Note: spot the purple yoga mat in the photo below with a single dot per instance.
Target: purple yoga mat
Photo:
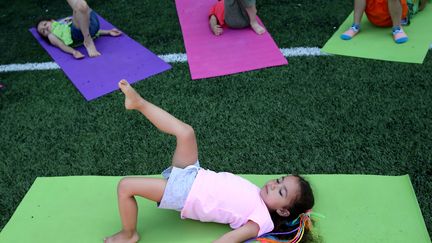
(236, 50)
(122, 57)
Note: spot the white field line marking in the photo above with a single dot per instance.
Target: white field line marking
(170, 58)
(28, 66)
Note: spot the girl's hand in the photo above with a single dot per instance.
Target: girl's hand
(77, 55)
(115, 32)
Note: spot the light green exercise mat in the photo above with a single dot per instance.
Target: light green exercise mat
(377, 43)
(357, 208)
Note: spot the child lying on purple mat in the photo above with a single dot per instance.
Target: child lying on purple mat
(206, 195)
(234, 14)
(82, 27)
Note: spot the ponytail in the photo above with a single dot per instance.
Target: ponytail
(303, 223)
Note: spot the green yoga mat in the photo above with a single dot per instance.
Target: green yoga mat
(377, 43)
(357, 208)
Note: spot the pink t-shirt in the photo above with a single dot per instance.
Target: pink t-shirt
(228, 199)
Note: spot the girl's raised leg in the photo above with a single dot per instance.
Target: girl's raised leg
(128, 188)
(81, 19)
(186, 152)
(252, 13)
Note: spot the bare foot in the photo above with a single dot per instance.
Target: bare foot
(122, 237)
(216, 29)
(257, 28)
(77, 55)
(91, 48)
(133, 99)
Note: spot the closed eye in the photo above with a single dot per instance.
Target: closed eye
(280, 193)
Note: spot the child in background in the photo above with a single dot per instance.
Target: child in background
(414, 6)
(384, 13)
(203, 194)
(82, 27)
(234, 14)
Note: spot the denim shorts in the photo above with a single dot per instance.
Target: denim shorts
(179, 184)
(76, 33)
(236, 15)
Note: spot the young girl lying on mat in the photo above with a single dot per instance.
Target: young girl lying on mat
(205, 195)
(385, 13)
(234, 14)
(82, 27)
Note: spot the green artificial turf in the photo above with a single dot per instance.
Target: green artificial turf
(317, 115)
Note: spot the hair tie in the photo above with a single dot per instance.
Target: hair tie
(303, 221)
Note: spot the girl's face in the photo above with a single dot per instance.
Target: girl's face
(44, 28)
(280, 193)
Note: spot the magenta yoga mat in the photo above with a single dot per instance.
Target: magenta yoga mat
(236, 50)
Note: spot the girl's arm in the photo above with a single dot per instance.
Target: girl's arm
(111, 32)
(56, 42)
(247, 231)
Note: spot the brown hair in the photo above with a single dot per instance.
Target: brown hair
(37, 30)
(305, 201)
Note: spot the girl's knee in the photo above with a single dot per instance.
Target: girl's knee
(187, 132)
(82, 6)
(123, 187)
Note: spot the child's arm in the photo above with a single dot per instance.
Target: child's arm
(56, 42)
(247, 231)
(111, 32)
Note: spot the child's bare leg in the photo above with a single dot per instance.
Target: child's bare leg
(186, 152)
(395, 9)
(359, 8)
(252, 11)
(128, 188)
(81, 19)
